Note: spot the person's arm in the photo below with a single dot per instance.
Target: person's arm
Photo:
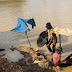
(63, 62)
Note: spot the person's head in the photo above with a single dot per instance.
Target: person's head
(48, 25)
(58, 50)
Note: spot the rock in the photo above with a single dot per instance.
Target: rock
(2, 55)
(2, 49)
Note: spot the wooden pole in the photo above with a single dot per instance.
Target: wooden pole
(60, 44)
(59, 40)
(28, 41)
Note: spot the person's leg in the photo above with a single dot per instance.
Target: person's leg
(68, 57)
(67, 61)
(50, 49)
(53, 47)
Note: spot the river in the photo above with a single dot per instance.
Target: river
(58, 12)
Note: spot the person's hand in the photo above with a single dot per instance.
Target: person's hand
(51, 53)
(47, 45)
(46, 30)
(64, 62)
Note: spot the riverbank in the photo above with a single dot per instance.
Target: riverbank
(26, 64)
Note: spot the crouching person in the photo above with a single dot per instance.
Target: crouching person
(56, 59)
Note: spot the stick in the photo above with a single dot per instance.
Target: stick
(28, 41)
(59, 40)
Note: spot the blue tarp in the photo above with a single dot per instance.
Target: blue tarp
(22, 25)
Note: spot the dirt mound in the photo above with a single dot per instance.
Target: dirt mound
(20, 66)
(5, 66)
